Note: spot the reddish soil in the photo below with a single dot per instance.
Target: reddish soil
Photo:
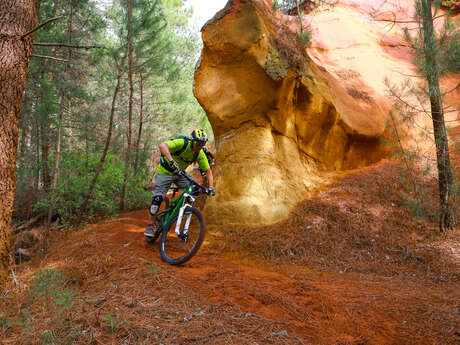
(252, 292)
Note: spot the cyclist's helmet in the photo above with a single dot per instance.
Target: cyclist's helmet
(200, 135)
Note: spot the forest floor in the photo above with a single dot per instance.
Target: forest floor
(350, 266)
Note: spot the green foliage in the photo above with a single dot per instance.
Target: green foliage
(24, 321)
(446, 43)
(111, 322)
(275, 66)
(451, 5)
(415, 200)
(25, 318)
(4, 323)
(305, 38)
(152, 269)
(165, 54)
(417, 175)
(287, 6)
(49, 287)
(46, 283)
(436, 53)
(50, 284)
(49, 337)
(449, 46)
(78, 171)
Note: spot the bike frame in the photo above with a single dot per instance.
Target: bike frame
(176, 204)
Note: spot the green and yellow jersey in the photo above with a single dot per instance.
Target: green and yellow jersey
(185, 158)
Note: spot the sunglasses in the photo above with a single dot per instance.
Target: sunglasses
(200, 143)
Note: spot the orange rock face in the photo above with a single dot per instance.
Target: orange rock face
(284, 115)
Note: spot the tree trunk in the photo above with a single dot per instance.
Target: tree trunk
(299, 18)
(58, 144)
(130, 104)
(141, 119)
(69, 57)
(84, 206)
(86, 145)
(37, 154)
(24, 134)
(17, 17)
(45, 146)
(55, 177)
(447, 215)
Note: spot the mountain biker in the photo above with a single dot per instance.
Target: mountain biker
(176, 156)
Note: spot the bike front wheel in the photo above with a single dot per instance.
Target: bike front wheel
(176, 249)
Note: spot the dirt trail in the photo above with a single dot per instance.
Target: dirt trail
(231, 298)
(125, 294)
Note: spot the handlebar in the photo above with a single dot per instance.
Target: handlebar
(188, 177)
(197, 168)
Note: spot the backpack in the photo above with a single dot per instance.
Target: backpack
(165, 164)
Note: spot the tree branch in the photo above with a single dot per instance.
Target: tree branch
(455, 88)
(43, 44)
(410, 75)
(397, 21)
(403, 155)
(40, 25)
(395, 95)
(405, 21)
(50, 57)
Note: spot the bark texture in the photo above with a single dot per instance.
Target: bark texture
(17, 17)
(445, 180)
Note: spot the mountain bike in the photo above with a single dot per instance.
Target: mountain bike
(181, 226)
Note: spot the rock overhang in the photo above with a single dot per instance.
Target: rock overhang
(284, 115)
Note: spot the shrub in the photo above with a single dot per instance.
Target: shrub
(76, 173)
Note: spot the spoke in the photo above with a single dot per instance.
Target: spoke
(180, 246)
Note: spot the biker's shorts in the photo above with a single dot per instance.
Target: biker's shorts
(163, 182)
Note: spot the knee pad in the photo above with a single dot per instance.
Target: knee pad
(155, 205)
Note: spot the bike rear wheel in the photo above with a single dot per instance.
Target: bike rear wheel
(177, 249)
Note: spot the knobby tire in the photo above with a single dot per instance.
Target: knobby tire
(165, 240)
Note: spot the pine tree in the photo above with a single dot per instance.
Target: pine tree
(432, 72)
(17, 20)
(436, 53)
(141, 30)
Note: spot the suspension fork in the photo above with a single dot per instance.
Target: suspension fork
(181, 215)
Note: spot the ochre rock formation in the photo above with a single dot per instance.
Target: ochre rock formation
(283, 115)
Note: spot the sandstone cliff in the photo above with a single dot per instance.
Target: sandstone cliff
(285, 116)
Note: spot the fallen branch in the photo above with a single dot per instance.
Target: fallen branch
(28, 224)
(24, 252)
(300, 341)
